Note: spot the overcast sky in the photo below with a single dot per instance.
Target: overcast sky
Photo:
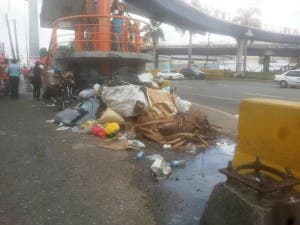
(276, 13)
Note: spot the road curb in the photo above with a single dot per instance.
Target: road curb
(241, 79)
(228, 123)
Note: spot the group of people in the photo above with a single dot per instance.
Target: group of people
(33, 76)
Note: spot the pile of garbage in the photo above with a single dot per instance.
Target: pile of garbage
(121, 111)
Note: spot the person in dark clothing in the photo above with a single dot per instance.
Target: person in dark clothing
(14, 72)
(37, 81)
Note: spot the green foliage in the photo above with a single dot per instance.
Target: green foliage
(245, 15)
(43, 52)
(65, 50)
(154, 32)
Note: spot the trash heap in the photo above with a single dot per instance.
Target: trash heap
(121, 111)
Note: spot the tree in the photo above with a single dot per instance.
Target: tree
(190, 50)
(245, 17)
(154, 33)
(43, 52)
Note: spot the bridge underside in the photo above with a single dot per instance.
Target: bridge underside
(231, 51)
(180, 14)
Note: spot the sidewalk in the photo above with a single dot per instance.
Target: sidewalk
(61, 178)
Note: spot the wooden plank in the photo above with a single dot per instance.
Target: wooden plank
(204, 142)
(155, 122)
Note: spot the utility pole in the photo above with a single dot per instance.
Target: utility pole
(26, 37)
(10, 38)
(16, 39)
(34, 48)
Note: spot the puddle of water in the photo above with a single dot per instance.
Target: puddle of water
(192, 186)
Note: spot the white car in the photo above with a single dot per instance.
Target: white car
(170, 75)
(289, 78)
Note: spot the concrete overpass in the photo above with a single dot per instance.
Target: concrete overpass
(179, 14)
(220, 50)
(174, 12)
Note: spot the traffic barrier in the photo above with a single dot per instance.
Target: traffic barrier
(214, 74)
(269, 129)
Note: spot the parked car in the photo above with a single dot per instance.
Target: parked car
(170, 75)
(193, 73)
(289, 78)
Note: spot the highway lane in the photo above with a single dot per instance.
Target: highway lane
(226, 95)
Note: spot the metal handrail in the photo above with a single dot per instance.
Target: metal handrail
(99, 35)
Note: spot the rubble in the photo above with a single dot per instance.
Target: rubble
(119, 112)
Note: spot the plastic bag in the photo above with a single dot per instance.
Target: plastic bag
(110, 116)
(160, 168)
(111, 129)
(146, 77)
(98, 131)
(183, 105)
(123, 99)
(88, 93)
(136, 144)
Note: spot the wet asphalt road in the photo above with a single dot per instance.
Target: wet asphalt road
(226, 95)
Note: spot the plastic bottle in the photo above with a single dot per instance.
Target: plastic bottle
(139, 155)
(136, 144)
(178, 164)
(167, 146)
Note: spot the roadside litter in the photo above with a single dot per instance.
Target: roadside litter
(160, 168)
(139, 155)
(178, 164)
(138, 106)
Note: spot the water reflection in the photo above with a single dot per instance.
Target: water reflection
(193, 185)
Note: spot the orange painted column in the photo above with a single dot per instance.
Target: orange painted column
(54, 40)
(104, 32)
(138, 37)
(79, 38)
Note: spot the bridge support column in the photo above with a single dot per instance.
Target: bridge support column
(103, 41)
(239, 56)
(156, 60)
(266, 66)
(245, 53)
(190, 53)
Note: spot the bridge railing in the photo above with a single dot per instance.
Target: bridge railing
(229, 17)
(98, 33)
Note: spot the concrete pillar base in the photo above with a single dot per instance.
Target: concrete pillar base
(267, 60)
(239, 57)
(232, 204)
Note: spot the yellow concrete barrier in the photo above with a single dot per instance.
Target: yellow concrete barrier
(269, 129)
(214, 74)
(154, 72)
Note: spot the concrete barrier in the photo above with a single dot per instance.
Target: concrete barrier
(269, 129)
(214, 74)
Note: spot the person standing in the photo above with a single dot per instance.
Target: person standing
(14, 72)
(117, 28)
(25, 72)
(37, 81)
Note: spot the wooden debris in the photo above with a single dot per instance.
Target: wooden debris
(161, 122)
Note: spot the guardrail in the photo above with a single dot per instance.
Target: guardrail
(99, 33)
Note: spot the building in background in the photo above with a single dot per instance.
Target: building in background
(34, 46)
(2, 52)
